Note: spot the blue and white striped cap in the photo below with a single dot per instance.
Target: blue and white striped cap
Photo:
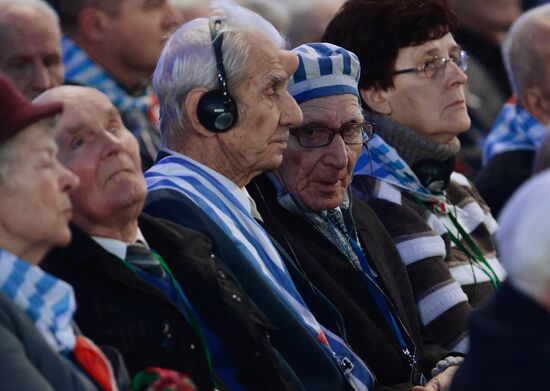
(324, 69)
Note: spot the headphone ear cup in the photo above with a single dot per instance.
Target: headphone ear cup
(216, 112)
(433, 174)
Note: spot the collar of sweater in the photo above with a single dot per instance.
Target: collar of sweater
(410, 145)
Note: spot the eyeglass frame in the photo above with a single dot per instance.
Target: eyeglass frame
(365, 135)
(461, 63)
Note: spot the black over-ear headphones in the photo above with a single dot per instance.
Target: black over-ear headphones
(434, 174)
(217, 110)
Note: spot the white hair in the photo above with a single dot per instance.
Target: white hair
(524, 62)
(523, 238)
(187, 61)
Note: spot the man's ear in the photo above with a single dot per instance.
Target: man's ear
(191, 103)
(536, 103)
(376, 99)
(92, 23)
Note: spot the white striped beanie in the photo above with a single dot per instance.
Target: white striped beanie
(324, 69)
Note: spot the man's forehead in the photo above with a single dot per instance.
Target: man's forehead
(330, 109)
(85, 110)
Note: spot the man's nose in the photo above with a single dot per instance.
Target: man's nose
(336, 152)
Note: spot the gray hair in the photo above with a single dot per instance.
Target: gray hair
(522, 58)
(9, 149)
(187, 61)
(523, 238)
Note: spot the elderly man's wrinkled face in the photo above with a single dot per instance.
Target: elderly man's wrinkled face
(31, 51)
(95, 145)
(266, 111)
(432, 107)
(137, 32)
(319, 177)
(35, 208)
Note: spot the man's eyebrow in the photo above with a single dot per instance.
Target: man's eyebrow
(276, 80)
(113, 112)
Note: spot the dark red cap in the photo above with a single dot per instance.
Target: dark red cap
(17, 112)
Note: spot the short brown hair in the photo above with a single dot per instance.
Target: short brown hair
(375, 30)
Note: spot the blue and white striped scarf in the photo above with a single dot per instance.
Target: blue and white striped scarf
(382, 161)
(81, 69)
(194, 181)
(514, 129)
(48, 301)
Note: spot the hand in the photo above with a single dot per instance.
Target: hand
(441, 382)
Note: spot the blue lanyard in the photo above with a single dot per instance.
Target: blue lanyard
(382, 302)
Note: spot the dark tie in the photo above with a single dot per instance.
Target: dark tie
(140, 256)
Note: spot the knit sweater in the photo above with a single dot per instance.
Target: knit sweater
(445, 282)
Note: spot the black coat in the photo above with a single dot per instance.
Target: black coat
(117, 307)
(509, 346)
(328, 269)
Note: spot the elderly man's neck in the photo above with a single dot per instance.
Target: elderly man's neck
(217, 161)
(117, 226)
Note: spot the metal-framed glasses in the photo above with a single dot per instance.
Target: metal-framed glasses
(317, 137)
(434, 65)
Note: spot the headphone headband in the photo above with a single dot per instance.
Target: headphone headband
(217, 41)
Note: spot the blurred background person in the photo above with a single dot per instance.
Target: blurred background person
(30, 45)
(510, 336)
(482, 27)
(114, 47)
(309, 19)
(524, 121)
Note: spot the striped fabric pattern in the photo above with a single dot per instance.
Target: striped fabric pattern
(514, 129)
(446, 285)
(192, 180)
(48, 301)
(338, 67)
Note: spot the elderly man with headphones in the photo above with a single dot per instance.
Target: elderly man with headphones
(215, 143)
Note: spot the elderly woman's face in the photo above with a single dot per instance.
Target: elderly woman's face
(434, 107)
(35, 208)
(319, 177)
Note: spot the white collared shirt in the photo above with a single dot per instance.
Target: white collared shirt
(118, 247)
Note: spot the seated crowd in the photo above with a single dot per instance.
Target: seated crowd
(196, 206)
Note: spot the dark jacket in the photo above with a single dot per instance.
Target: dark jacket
(504, 173)
(27, 362)
(315, 368)
(509, 346)
(334, 275)
(117, 307)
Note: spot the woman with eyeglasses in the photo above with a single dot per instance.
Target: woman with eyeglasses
(412, 86)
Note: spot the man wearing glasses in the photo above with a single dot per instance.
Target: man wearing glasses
(338, 242)
(412, 85)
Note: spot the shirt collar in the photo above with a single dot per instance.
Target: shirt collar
(118, 247)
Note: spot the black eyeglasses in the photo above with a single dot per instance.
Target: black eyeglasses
(317, 137)
(431, 68)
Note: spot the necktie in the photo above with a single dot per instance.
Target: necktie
(140, 256)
